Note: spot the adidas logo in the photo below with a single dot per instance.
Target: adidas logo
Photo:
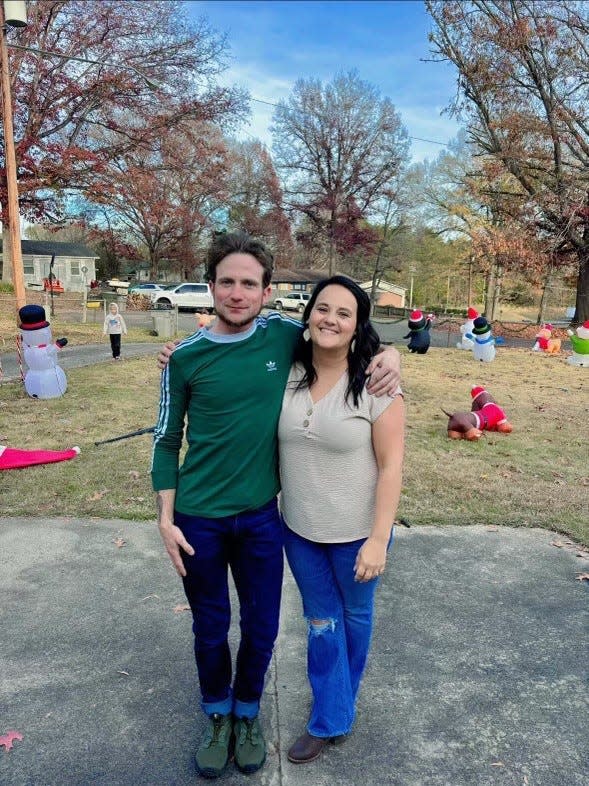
(271, 365)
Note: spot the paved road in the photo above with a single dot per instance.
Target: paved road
(71, 356)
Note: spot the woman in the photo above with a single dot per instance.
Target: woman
(341, 452)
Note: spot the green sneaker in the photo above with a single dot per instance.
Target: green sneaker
(214, 753)
(250, 747)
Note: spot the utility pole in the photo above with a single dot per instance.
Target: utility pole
(16, 19)
(413, 271)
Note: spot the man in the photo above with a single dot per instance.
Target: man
(219, 509)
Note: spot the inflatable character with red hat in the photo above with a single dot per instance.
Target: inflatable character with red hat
(580, 342)
(466, 330)
(545, 342)
(419, 338)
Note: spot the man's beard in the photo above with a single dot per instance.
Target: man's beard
(237, 323)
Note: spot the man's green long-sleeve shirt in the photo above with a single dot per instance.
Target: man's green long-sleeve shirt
(228, 388)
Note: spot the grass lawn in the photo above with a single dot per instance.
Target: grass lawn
(538, 476)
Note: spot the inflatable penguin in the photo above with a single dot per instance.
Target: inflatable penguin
(418, 335)
(44, 378)
(580, 342)
(484, 344)
(466, 330)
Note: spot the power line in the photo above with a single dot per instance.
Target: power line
(415, 138)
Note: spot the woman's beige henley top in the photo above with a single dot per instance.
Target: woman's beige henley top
(328, 469)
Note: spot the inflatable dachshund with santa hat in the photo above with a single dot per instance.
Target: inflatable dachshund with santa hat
(485, 415)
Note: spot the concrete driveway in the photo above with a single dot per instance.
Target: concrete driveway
(477, 675)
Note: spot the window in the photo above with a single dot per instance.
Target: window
(28, 267)
(75, 267)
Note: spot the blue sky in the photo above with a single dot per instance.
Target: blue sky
(272, 44)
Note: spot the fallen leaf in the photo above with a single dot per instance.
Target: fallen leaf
(583, 576)
(558, 543)
(583, 554)
(492, 528)
(119, 542)
(147, 597)
(497, 764)
(8, 738)
(181, 607)
(126, 673)
(134, 474)
(96, 496)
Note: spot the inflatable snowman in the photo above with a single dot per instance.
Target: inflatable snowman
(44, 378)
(466, 329)
(483, 347)
(580, 342)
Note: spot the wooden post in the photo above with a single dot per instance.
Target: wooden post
(18, 279)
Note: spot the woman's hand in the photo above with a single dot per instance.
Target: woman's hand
(165, 354)
(384, 371)
(371, 560)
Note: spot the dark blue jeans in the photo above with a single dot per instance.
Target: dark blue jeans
(250, 544)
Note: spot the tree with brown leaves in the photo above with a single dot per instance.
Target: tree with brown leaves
(523, 70)
(152, 71)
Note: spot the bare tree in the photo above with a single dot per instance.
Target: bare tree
(338, 146)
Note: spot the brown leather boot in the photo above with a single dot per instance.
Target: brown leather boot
(306, 748)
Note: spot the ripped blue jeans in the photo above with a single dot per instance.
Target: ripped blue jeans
(339, 612)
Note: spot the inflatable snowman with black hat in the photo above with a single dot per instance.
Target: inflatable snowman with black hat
(44, 378)
(484, 344)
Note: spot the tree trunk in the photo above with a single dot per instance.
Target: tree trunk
(544, 299)
(582, 302)
(489, 293)
(332, 245)
(376, 276)
(497, 293)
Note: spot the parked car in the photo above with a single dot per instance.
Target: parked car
(294, 301)
(146, 288)
(187, 295)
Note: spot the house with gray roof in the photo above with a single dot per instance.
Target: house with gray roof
(74, 264)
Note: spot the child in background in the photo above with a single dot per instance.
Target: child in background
(114, 327)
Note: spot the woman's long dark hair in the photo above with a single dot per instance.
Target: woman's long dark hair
(366, 338)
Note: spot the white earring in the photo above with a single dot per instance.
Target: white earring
(306, 334)
(353, 344)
